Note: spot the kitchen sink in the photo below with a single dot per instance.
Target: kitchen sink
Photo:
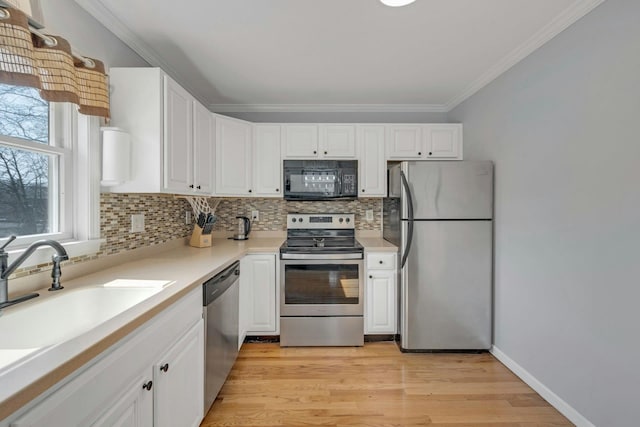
(55, 319)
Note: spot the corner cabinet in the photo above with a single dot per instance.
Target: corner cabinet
(233, 157)
(130, 386)
(171, 138)
(267, 161)
(380, 313)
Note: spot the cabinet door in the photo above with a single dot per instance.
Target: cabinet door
(372, 167)
(267, 160)
(258, 277)
(404, 142)
(178, 138)
(203, 145)
(179, 382)
(133, 409)
(443, 141)
(380, 305)
(300, 142)
(233, 157)
(338, 141)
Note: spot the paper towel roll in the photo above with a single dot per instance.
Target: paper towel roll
(116, 156)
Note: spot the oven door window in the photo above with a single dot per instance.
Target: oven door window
(310, 284)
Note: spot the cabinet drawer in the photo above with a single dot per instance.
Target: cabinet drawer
(381, 261)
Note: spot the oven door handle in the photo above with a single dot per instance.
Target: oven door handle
(321, 256)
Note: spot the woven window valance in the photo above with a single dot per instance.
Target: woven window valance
(47, 63)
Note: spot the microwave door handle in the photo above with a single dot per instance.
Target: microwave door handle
(339, 191)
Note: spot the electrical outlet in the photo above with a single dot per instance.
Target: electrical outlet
(137, 223)
(369, 215)
(255, 215)
(187, 217)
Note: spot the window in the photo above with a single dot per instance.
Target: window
(34, 162)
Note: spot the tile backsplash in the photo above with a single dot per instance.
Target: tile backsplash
(164, 219)
(273, 212)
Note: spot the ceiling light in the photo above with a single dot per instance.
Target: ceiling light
(397, 3)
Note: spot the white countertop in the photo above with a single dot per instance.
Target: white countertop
(184, 267)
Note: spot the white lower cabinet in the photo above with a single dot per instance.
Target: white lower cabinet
(178, 375)
(128, 387)
(380, 294)
(258, 295)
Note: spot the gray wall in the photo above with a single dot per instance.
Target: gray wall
(67, 19)
(562, 128)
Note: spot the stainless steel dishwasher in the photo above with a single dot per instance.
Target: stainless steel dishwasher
(221, 303)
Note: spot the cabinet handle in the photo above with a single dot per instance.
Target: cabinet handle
(164, 367)
(419, 153)
(147, 386)
(315, 152)
(363, 190)
(198, 187)
(325, 152)
(370, 277)
(191, 186)
(249, 191)
(429, 152)
(380, 262)
(277, 190)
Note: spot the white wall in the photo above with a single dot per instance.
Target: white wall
(562, 128)
(67, 19)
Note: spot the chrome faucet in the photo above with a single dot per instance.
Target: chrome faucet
(6, 270)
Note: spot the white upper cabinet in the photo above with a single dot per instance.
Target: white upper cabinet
(267, 161)
(204, 134)
(300, 141)
(443, 141)
(338, 141)
(372, 165)
(178, 131)
(233, 157)
(171, 151)
(404, 142)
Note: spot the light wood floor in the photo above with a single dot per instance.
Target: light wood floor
(374, 385)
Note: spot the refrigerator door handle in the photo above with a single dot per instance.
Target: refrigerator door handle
(407, 248)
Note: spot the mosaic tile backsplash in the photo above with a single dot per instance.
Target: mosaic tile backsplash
(164, 219)
(273, 212)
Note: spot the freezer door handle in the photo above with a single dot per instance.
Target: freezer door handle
(407, 247)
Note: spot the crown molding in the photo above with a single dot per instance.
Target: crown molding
(569, 16)
(328, 108)
(574, 12)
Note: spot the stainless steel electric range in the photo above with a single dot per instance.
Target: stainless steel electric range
(322, 282)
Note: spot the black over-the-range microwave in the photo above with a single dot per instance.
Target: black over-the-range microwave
(320, 179)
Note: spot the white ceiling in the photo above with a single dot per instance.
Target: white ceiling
(335, 55)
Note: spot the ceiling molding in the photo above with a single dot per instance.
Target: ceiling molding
(100, 12)
(577, 10)
(570, 15)
(328, 108)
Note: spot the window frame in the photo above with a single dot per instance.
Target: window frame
(75, 140)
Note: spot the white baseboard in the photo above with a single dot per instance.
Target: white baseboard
(565, 409)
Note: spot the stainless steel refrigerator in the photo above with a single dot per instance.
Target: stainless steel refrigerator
(440, 215)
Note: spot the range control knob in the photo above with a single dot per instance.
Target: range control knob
(348, 220)
(293, 220)
(341, 220)
(300, 220)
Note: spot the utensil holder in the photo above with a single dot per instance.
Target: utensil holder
(199, 240)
